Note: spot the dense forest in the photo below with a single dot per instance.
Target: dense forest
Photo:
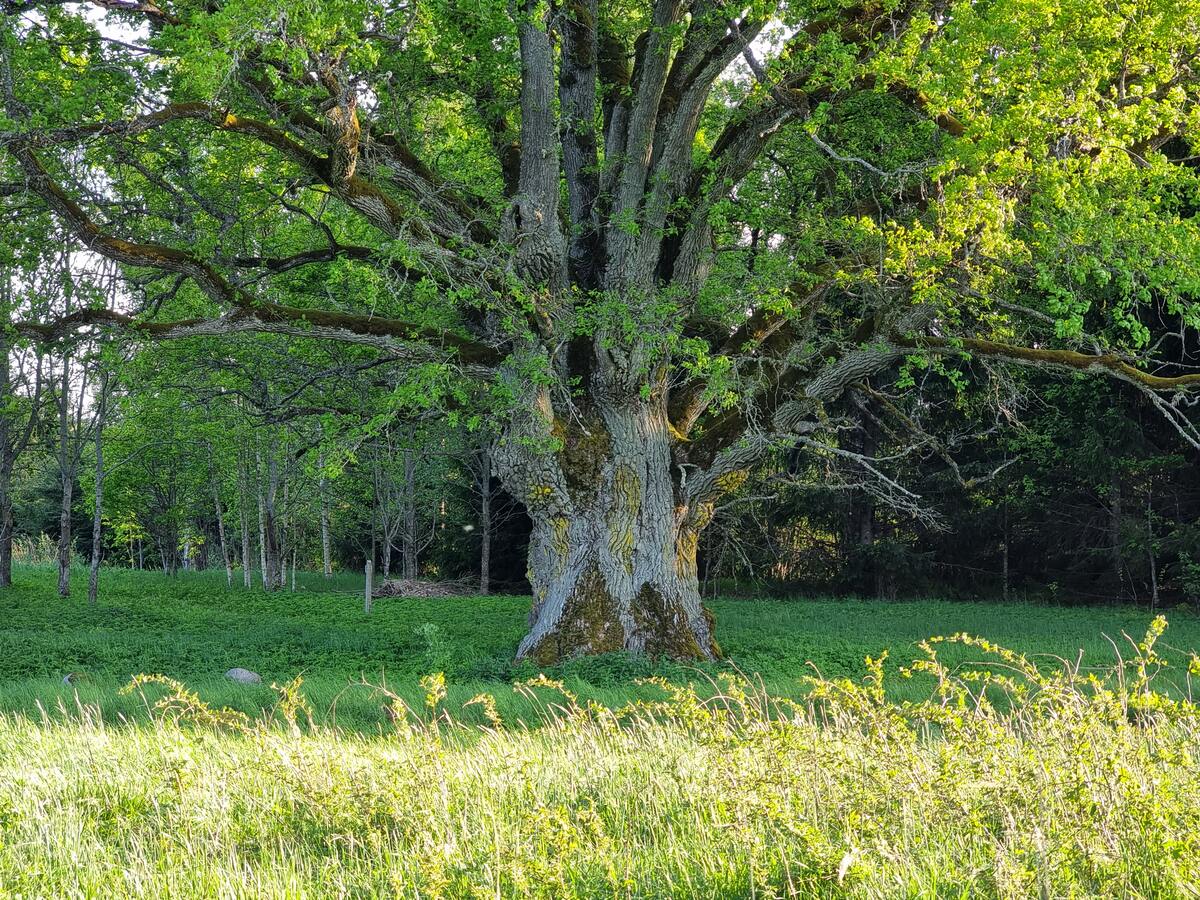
(615, 306)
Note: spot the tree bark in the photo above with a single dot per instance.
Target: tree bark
(216, 492)
(612, 557)
(7, 455)
(14, 438)
(485, 521)
(1004, 558)
(245, 522)
(67, 480)
(408, 527)
(326, 554)
(1150, 549)
(98, 507)
(262, 529)
(1115, 514)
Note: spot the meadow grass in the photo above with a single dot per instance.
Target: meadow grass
(193, 629)
(406, 762)
(1078, 785)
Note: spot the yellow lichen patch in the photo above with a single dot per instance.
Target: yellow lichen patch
(539, 494)
(676, 434)
(731, 481)
(622, 514)
(685, 559)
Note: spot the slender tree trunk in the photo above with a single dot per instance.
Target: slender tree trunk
(244, 521)
(1004, 559)
(1150, 550)
(216, 492)
(1115, 514)
(326, 547)
(98, 507)
(272, 557)
(485, 521)
(284, 539)
(408, 528)
(612, 557)
(67, 479)
(7, 455)
(6, 508)
(262, 531)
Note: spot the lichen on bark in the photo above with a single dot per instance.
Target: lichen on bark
(590, 623)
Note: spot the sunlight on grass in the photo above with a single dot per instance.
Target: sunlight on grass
(1006, 781)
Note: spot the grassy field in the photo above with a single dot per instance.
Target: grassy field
(193, 629)
(987, 774)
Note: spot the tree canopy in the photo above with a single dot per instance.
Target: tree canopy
(648, 244)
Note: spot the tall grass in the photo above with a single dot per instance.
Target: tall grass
(1006, 781)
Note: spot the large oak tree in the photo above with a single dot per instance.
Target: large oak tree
(653, 239)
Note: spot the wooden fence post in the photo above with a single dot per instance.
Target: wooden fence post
(369, 570)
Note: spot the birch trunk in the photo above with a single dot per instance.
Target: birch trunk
(216, 491)
(245, 523)
(262, 533)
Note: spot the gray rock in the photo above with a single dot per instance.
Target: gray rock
(243, 676)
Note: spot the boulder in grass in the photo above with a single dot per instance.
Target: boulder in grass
(243, 676)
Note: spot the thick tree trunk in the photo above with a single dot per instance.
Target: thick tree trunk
(612, 556)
